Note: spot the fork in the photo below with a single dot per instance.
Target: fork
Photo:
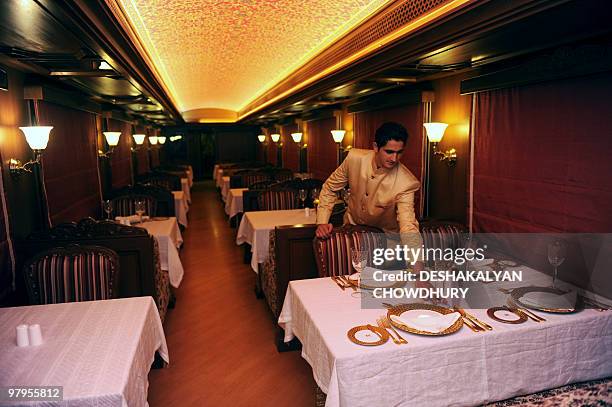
(387, 324)
(381, 324)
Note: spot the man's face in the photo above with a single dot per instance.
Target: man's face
(388, 156)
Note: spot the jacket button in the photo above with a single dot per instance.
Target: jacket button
(366, 194)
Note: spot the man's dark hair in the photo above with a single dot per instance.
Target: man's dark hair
(390, 131)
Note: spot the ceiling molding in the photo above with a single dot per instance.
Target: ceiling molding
(96, 24)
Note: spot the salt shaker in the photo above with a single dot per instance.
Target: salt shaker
(22, 336)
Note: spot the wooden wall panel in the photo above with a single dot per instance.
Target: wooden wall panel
(322, 151)
(291, 150)
(121, 159)
(70, 163)
(448, 186)
(142, 155)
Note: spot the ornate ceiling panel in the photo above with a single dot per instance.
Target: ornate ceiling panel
(220, 54)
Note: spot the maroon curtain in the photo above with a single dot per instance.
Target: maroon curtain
(121, 159)
(70, 163)
(291, 150)
(322, 151)
(272, 146)
(542, 158)
(411, 117)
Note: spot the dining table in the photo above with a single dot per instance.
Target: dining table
(169, 239)
(234, 202)
(225, 187)
(99, 352)
(255, 230)
(181, 207)
(460, 369)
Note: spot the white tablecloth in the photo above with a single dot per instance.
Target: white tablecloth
(255, 229)
(233, 202)
(99, 351)
(169, 239)
(219, 178)
(225, 187)
(190, 175)
(461, 369)
(186, 189)
(181, 207)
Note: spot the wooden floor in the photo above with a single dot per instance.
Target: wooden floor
(220, 337)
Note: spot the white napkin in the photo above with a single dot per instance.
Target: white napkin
(131, 219)
(427, 322)
(541, 299)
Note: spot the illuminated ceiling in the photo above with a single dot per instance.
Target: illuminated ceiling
(216, 56)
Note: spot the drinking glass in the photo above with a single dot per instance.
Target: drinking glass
(359, 259)
(314, 194)
(302, 195)
(140, 209)
(556, 257)
(107, 205)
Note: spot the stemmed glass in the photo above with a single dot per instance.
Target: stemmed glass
(140, 209)
(556, 257)
(107, 205)
(302, 195)
(359, 259)
(314, 194)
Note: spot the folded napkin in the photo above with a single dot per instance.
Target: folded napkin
(130, 219)
(427, 322)
(542, 299)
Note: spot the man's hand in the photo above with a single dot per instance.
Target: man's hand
(324, 231)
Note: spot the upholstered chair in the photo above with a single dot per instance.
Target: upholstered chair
(277, 200)
(71, 274)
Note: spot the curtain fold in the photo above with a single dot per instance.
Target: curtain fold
(121, 159)
(291, 150)
(542, 158)
(322, 151)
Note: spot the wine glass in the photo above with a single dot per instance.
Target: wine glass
(556, 257)
(140, 209)
(359, 259)
(302, 195)
(314, 194)
(107, 205)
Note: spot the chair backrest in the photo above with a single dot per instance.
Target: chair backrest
(442, 235)
(159, 201)
(252, 177)
(282, 174)
(168, 181)
(262, 185)
(333, 255)
(71, 274)
(277, 200)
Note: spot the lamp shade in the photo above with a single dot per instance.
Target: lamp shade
(275, 137)
(435, 131)
(139, 138)
(153, 140)
(37, 136)
(338, 135)
(297, 137)
(112, 137)
(161, 140)
(261, 138)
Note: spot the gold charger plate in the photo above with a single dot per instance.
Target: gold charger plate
(381, 333)
(399, 309)
(515, 299)
(520, 317)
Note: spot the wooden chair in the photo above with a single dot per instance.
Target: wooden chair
(72, 274)
(158, 200)
(277, 200)
(168, 181)
(333, 255)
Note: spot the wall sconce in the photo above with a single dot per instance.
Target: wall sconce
(112, 139)
(37, 138)
(275, 137)
(161, 140)
(176, 138)
(262, 138)
(153, 140)
(139, 140)
(435, 133)
(338, 135)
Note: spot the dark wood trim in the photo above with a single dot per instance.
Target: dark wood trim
(95, 24)
(563, 63)
(394, 98)
(61, 97)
